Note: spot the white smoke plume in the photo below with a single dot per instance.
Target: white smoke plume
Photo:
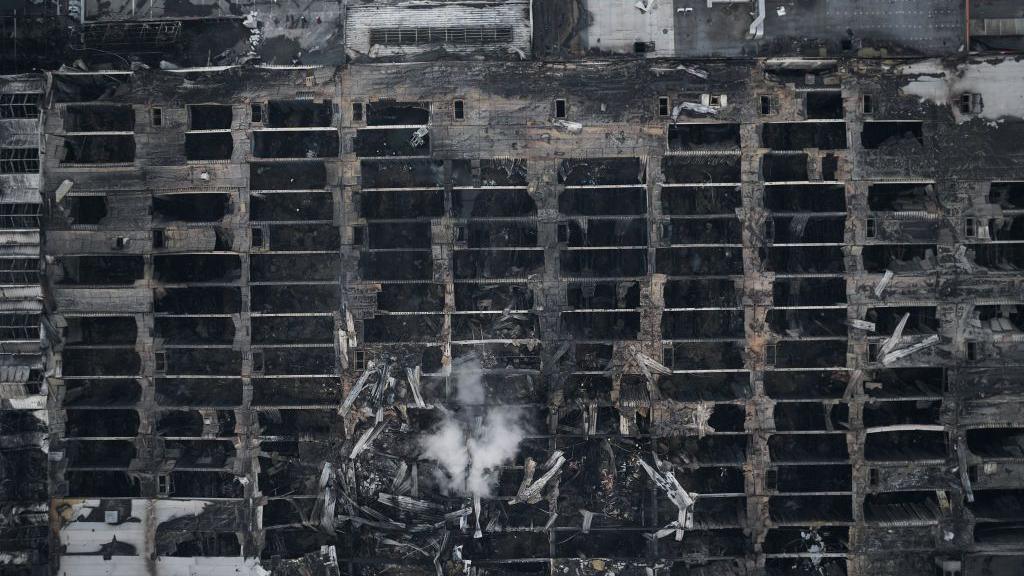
(472, 442)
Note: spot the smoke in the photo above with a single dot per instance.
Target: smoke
(473, 441)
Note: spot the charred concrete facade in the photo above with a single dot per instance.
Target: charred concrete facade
(754, 317)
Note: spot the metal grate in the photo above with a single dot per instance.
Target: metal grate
(430, 35)
(19, 105)
(19, 216)
(19, 326)
(19, 160)
(132, 34)
(19, 271)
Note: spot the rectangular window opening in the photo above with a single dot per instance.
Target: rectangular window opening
(766, 105)
(357, 111)
(359, 359)
(872, 228)
(867, 104)
(971, 228)
(663, 106)
(459, 109)
(158, 238)
(160, 362)
(972, 351)
(256, 113)
(157, 116)
(560, 108)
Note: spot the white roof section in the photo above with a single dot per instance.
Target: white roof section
(617, 26)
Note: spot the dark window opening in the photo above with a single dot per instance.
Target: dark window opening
(459, 109)
(158, 238)
(892, 135)
(87, 210)
(209, 117)
(560, 108)
(824, 104)
(867, 104)
(643, 47)
(357, 111)
(156, 115)
(767, 105)
(663, 106)
(872, 228)
(256, 113)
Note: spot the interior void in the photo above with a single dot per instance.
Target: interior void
(701, 293)
(1008, 195)
(398, 235)
(905, 445)
(406, 265)
(810, 416)
(794, 323)
(709, 450)
(1005, 504)
(703, 200)
(100, 330)
(706, 356)
(702, 324)
(204, 485)
(199, 392)
(896, 412)
(84, 423)
(203, 361)
(1007, 228)
(704, 136)
(209, 117)
(99, 149)
(481, 297)
(824, 104)
(802, 229)
(805, 384)
(297, 144)
(191, 207)
(808, 448)
(413, 173)
(316, 361)
(602, 325)
(703, 231)
(805, 566)
(597, 232)
(304, 391)
(603, 263)
(603, 295)
(102, 484)
(503, 172)
(901, 507)
(802, 509)
(699, 261)
(86, 210)
(705, 387)
(922, 319)
(99, 118)
(996, 442)
(287, 176)
(805, 198)
(183, 268)
(998, 257)
(297, 206)
(390, 142)
(816, 478)
(705, 169)
(308, 236)
(809, 291)
(200, 330)
(902, 134)
(299, 113)
(107, 454)
(185, 423)
(277, 267)
(902, 382)
(503, 234)
(493, 203)
(901, 196)
(784, 167)
(469, 264)
(401, 204)
(999, 534)
(603, 201)
(834, 539)
(209, 146)
(392, 113)
(284, 299)
(810, 354)
(194, 300)
(415, 297)
(878, 258)
(102, 392)
(101, 270)
(804, 259)
(602, 171)
(802, 135)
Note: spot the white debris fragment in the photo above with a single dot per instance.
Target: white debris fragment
(574, 127)
(417, 137)
(862, 325)
(882, 283)
(904, 352)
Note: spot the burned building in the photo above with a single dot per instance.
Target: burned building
(449, 308)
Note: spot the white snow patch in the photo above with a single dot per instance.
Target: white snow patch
(998, 84)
